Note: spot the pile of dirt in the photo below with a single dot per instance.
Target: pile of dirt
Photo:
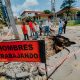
(57, 43)
(61, 42)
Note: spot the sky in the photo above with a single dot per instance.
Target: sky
(18, 6)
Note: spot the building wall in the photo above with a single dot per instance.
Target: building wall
(44, 17)
(35, 15)
(27, 14)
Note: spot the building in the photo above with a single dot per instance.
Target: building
(35, 15)
(73, 16)
(17, 20)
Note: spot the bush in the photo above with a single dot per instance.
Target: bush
(47, 11)
(73, 22)
(28, 19)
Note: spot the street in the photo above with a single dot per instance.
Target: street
(69, 65)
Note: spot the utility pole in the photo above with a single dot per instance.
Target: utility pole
(53, 11)
(11, 18)
(53, 6)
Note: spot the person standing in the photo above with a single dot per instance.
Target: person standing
(32, 29)
(64, 26)
(40, 27)
(25, 31)
(36, 26)
(47, 27)
(60, 27)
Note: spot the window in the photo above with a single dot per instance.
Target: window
(29, 13)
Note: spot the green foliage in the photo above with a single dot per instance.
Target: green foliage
(1, 17)
(67, 4)
(73, 22)
(28, 19)
(78, 13)
(1, 14)
(47, 11)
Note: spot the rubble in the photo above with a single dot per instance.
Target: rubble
(18, 70)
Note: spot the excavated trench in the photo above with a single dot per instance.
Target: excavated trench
(56, 44)
(61, 42)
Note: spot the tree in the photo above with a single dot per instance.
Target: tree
(0, 13)
(78, 13)
(28, 19)
(1, 16)
(67, 4)
(47, 11)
